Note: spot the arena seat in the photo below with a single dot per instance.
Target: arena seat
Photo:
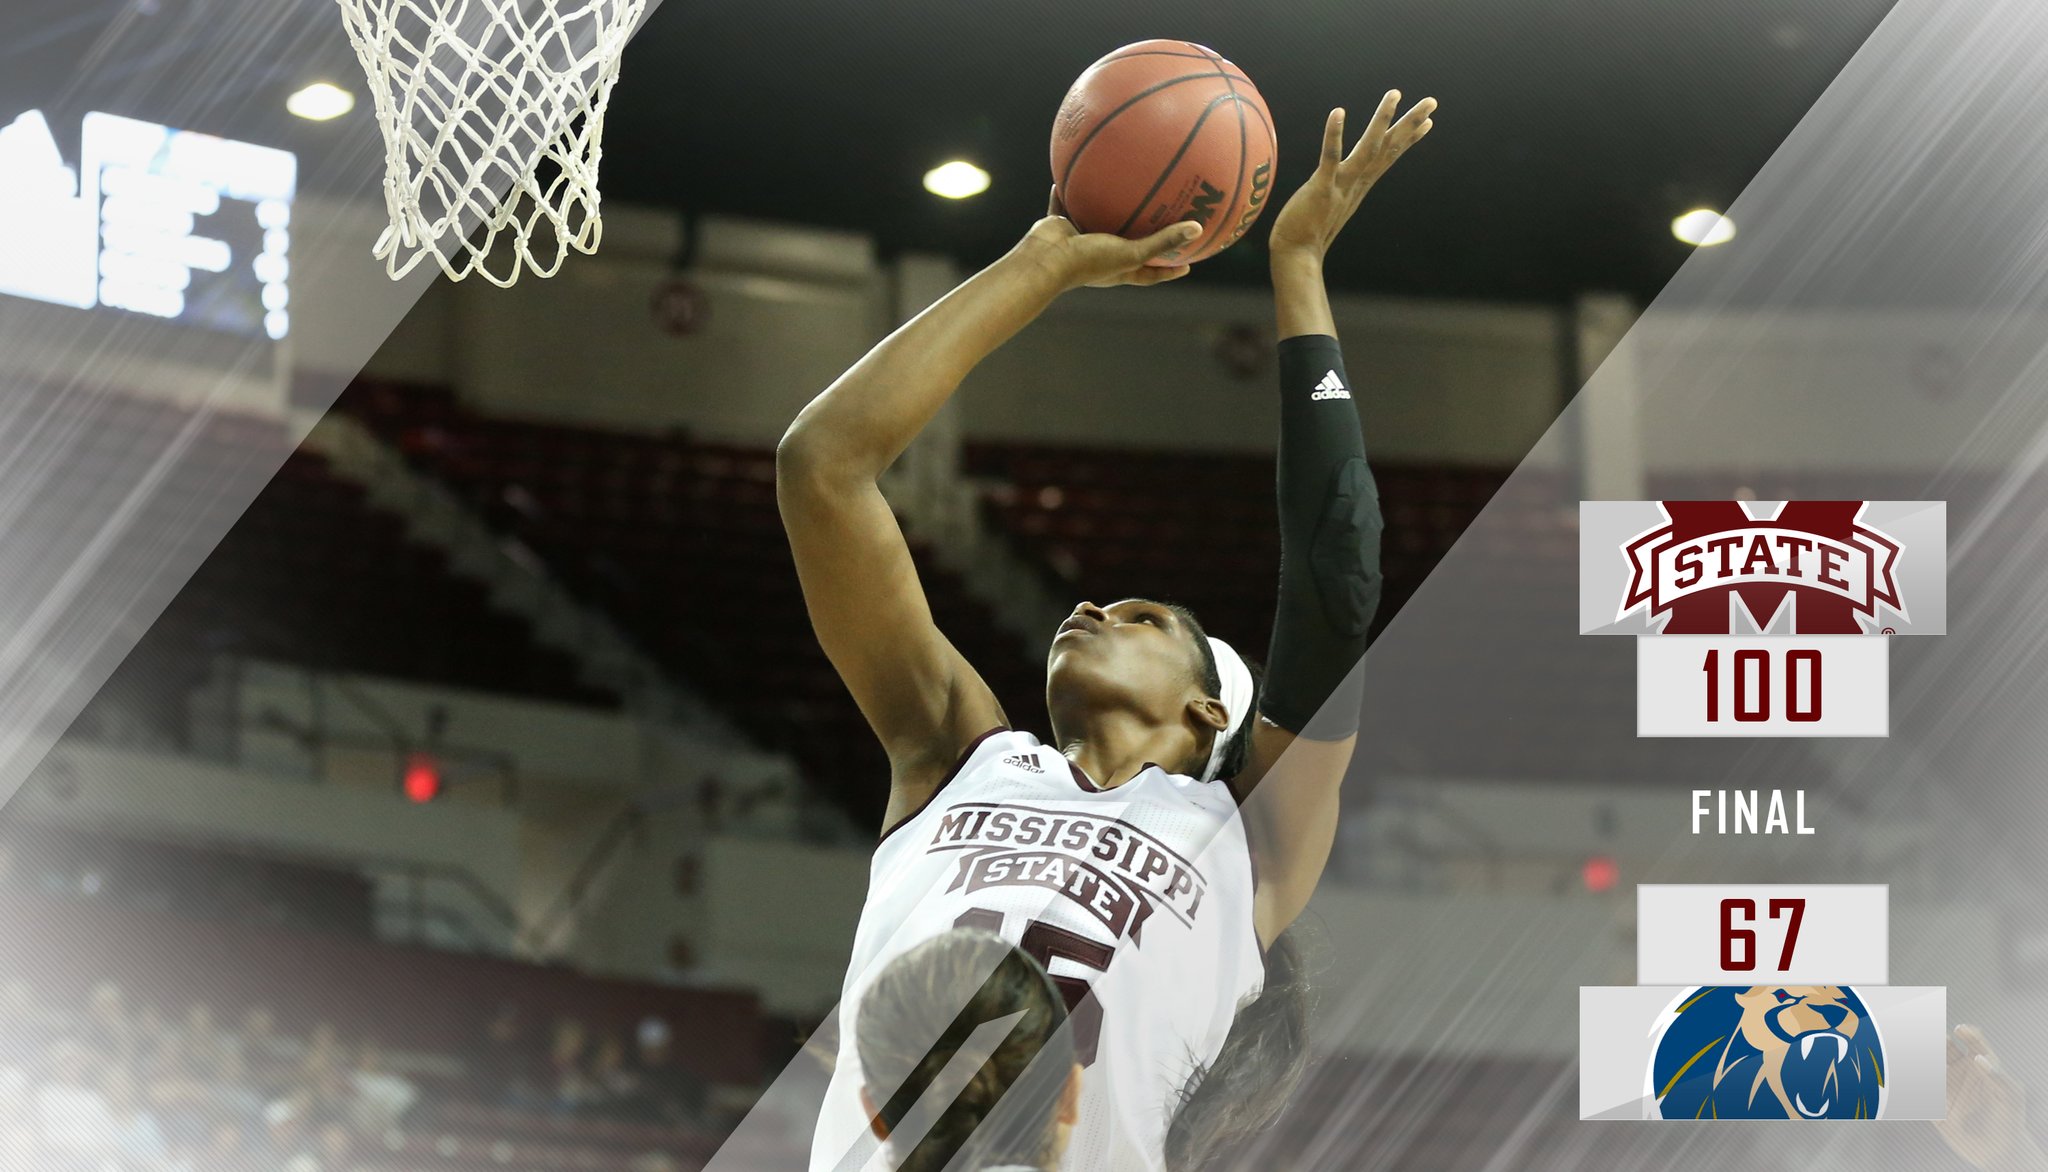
(1109, 523)
(676, 536)
(1112, 522)
(311, 573)
(680, 541)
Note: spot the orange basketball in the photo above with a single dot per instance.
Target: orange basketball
(1163, 131)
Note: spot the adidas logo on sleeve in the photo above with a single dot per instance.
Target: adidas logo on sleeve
(1331, 387)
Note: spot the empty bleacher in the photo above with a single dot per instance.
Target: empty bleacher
(1199, 529)
(679, 540)
(311, 573)
(315, 575)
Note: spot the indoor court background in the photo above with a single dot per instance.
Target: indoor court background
(448, 778)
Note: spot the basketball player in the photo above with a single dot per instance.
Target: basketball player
(972, 1023)
(1114, 852)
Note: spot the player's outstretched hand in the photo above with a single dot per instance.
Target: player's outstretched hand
(1078, 258)
(1987, 1110)
(1315, 214)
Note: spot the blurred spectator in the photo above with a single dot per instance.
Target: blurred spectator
(24, 1031)
(283, 1137)
(137, 1139)
(568, 1062)
(107, 1030)
(20, 1138)
(226, 1149)
(381, 1097)
(211, 1050)
(666, 1093)
(148, 1028)
(324, 1079)
(110, 1087)
(185, 1104)
(611, 1082)
(268, 1057)
(514, 1075)
(234, 1095)
(335, 1150)
(76, 1122)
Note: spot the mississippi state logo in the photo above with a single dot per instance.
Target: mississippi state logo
(1106, 867)
(1809, 568)
(1768, 1052)
(1755, 618)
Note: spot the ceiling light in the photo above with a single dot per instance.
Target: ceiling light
(321, 101)
(956, 180)
(1703, 227)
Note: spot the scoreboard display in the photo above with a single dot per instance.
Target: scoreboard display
(1762, 619)
(171, 224)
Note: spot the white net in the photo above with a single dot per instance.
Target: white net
(493, 119)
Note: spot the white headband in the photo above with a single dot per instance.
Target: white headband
(1237, 700)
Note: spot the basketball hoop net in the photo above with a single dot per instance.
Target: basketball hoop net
(492, 113)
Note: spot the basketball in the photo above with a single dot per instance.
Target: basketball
(1163, 131)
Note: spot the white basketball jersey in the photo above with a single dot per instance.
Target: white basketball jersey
(1142, 893)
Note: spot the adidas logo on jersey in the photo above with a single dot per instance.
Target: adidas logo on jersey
(1025, 761)
(1331, 387)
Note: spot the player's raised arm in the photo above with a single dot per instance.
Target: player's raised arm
(1329, 533)
(918, 693)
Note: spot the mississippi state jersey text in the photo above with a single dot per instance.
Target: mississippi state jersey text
(1140, 895)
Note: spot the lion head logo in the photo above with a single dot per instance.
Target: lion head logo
(1768, 1052)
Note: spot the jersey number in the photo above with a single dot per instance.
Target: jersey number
(1042, 942)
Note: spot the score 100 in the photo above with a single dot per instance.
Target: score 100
(1745, 684)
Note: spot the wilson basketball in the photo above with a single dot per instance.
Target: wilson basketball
(1163, 131)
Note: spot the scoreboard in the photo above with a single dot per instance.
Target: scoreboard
(1762, 619)
(171, 224)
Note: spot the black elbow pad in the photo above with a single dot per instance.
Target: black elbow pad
(1344, 555)
(1329, 547)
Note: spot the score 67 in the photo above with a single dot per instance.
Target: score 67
(1744, 939)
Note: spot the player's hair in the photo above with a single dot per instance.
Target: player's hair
(1241, 1092)
(1263, 1058)
(989, 980)
(1239, 750)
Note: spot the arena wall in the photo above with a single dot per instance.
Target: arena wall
(791, 307)
(1456, 382)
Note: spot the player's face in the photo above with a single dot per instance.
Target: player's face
(1137, 650)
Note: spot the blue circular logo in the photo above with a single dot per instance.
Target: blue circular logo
(1767, 1052)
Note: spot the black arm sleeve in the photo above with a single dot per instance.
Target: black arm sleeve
(1329, 547)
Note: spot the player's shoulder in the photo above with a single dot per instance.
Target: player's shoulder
(1015, 763)
(999, 753)
(1013, 752)
(1182, 788)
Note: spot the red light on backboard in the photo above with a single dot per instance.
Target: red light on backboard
(422, 780)
(1600, 873)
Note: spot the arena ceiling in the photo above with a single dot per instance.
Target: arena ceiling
(1571, 130)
